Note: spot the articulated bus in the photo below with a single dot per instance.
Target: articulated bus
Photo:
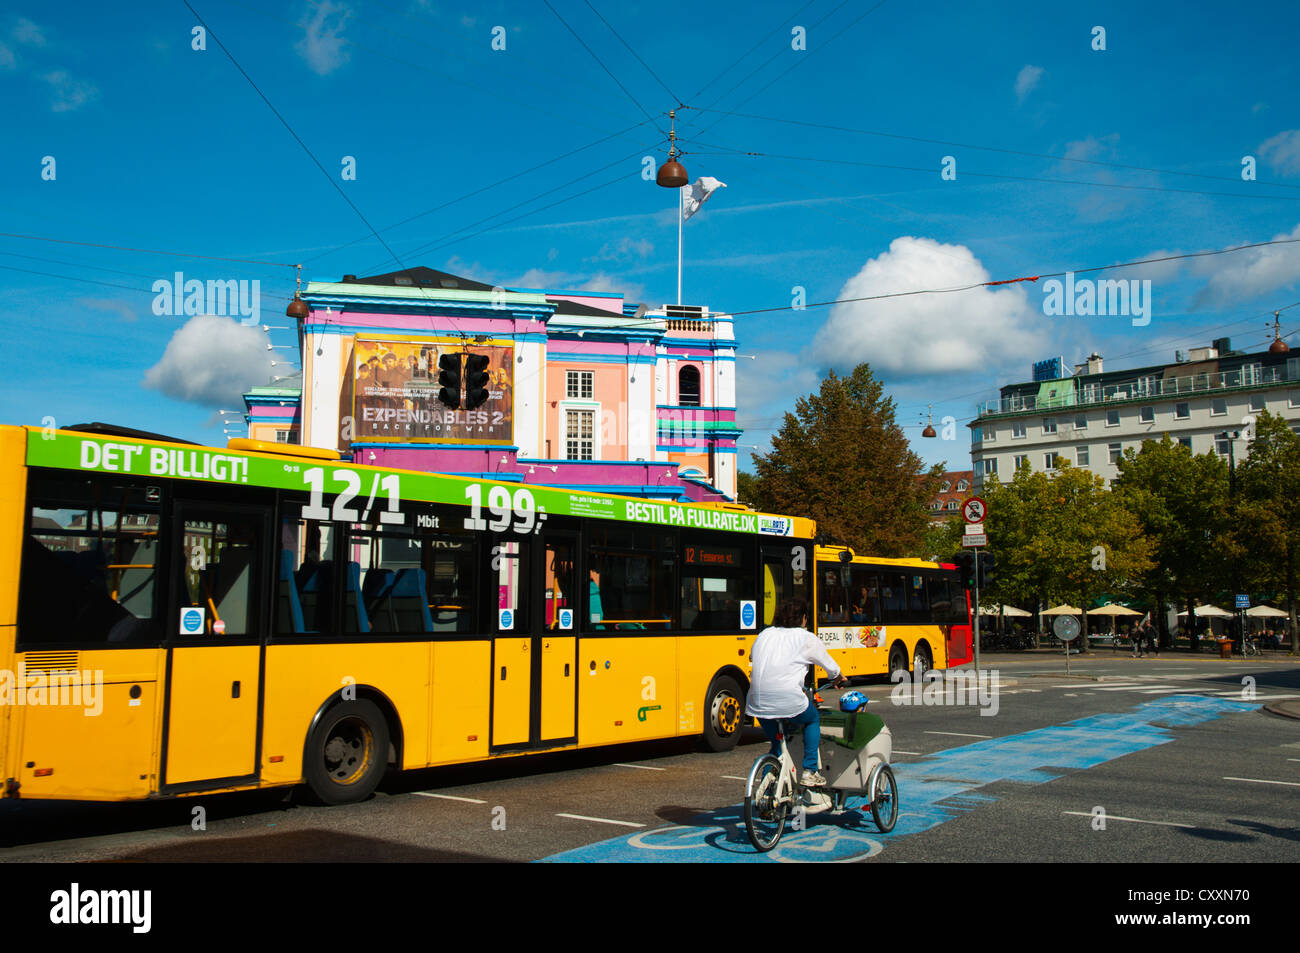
(878, 615)
(177, 619)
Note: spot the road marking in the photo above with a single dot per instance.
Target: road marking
(599, 820)
(1132, 688)
(1292, 784)
(959, 734)
(450, 797)
(1163, 691)
(1135, 820)
(732, 777)
(1071, 695)
(919, 753)
(1293, 759)
(643, 767)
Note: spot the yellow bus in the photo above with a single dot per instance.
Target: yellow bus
(177, 619)
(879, 616)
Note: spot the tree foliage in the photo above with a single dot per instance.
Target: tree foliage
(842, 460)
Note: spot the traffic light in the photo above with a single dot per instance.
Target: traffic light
(965, 562)
(476, 380)
(988, 563)
(449, 378)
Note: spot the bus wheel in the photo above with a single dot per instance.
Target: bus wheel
(920, 661)
(897, 663)
(725, 707)
(347, 753)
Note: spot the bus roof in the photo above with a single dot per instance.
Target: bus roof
(833, 552)
(286, 469)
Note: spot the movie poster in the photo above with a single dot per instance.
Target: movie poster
(395, 392)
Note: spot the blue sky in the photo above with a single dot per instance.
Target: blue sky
(157, 145)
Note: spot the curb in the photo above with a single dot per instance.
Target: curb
(1287, 709)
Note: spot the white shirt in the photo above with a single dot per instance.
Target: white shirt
(781, 658)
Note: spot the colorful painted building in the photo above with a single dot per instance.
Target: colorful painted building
(580, 389)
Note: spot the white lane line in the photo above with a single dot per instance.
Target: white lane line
(1135, 820)
(1293, 759)
(1132, 688)
(643, 767)
(599, 820)
(732, 777)
(958, 734)
(1290, 784)
(1071, 695)
(919, 753)
(1164, 691)
(450, 797)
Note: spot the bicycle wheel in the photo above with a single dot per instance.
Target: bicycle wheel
(764, 812)
(884, 808)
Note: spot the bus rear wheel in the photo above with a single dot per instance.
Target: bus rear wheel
(724, 712)
(347, 753)
(897, 663)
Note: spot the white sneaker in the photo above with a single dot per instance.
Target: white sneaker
(812, 779)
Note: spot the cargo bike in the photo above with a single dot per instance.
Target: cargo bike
(854, 757)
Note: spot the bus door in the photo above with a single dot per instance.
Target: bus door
(555, 642)
(215, 628)
(512, 642)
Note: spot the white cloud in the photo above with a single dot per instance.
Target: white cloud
(7, 58)
(28, 33)
(1282, 151)
(69, 93)
(1026, 80)
(211, 361)
(1245, 275)
(113, 305)
(984, 328)
(322, 44)
(625, 249)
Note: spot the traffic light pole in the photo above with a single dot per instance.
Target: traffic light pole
(977, 608)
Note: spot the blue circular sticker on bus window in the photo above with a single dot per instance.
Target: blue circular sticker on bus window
(191, 620)
(506, 619)
(566, 618)
(747, 614)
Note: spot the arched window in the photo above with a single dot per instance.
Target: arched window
(688, 386)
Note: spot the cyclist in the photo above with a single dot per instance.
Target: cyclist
(781, 656)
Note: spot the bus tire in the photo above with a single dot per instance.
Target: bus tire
(347, 753)
(897, 662)
(724, 713)
(921, 662)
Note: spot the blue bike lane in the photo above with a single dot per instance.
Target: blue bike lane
(932, 791)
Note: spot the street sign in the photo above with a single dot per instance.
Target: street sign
(975, 539)
(1243, 602)
(1066, 627)
(974, 529)
(973, 510)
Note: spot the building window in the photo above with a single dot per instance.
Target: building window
(1081, 422)
(1222, 445)
(1021, 460)
(1218, 407)
(1049, 425)
(963, 486)
(1018, 430)
(1049, 461)
(952, 504)
(282, 436)
(990, 466)
(1081, 456)
(945, 486)
(1257, 402)
(1293, 398)
(1147, 415)
(688, 386)
(578, 384)
(1182, 411)
(989, 433)
(936, 505)
(1186, 442)
(1112, 418)
(578, 441)
(1114, 450)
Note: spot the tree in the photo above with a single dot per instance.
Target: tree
(841, 459)
(1183, 505)
(1268, 483)
(1061, 538)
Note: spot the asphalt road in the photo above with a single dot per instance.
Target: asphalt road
(1157, 759)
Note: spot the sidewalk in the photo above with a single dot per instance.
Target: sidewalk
(1287, 709)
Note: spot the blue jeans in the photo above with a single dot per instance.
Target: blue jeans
(810, 721)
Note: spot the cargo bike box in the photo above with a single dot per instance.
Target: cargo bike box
(853, 743)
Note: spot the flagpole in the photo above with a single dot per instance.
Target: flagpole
(681, 198)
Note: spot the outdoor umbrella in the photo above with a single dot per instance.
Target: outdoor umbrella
(1111, 609)
(1265, 612)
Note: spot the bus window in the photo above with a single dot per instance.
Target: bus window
(305, 575)
(718, 574)
(918, 603)
(561, 581)
(89, 563)
(865, 603)
(449, 570)
(631, 572)
(218, 571)
(893, 597)
(832, 600)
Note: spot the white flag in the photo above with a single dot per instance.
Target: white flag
(693, 195)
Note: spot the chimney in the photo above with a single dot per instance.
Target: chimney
(1094, 363)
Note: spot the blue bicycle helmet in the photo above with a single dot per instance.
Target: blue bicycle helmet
(852, 701)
